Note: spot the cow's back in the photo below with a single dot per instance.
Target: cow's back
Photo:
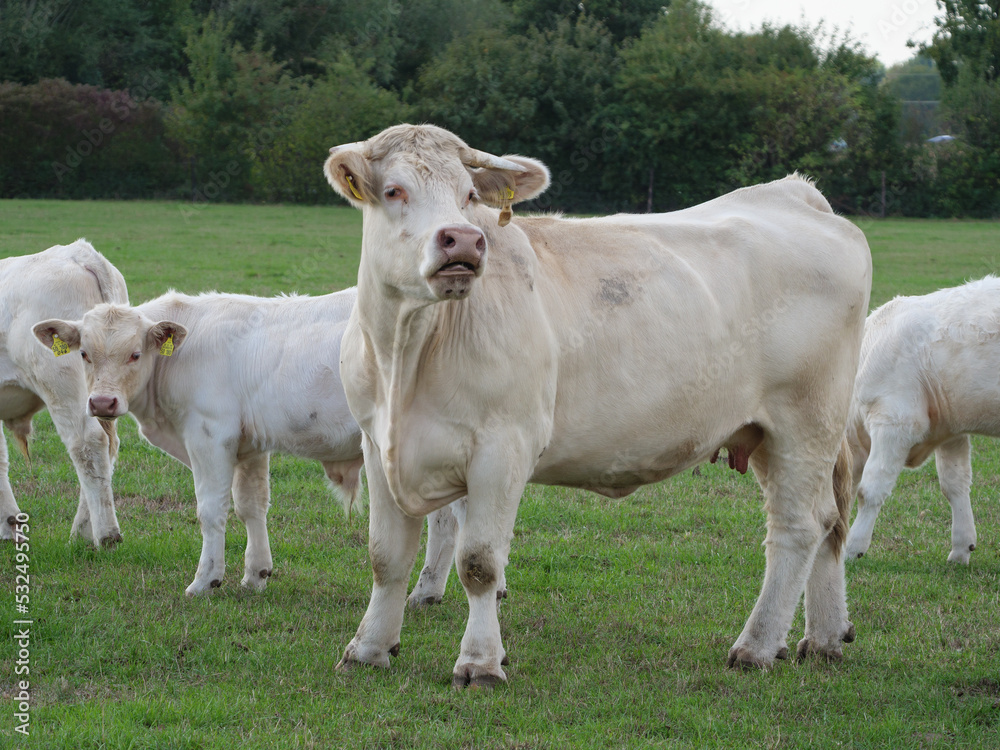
(939, 353)
(62, 282)
(269, 366)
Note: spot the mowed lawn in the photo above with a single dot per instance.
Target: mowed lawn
(620, 614)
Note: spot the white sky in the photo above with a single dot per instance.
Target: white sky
(883, 27)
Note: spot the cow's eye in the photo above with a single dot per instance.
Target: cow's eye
(134, 357)
(394, 193)
(472, 197)
(84, 355)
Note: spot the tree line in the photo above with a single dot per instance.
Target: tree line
(633, 104)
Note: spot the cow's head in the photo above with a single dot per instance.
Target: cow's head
(118, 346)
(423, 193)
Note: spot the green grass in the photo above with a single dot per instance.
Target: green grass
(620, 612)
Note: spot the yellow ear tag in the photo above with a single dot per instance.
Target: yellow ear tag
(59, 347)
(350, 184)
(505, 212)
(168, 346)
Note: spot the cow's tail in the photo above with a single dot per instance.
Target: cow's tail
(110, 427)
(21, 430)
(843, 492)
(345, 481)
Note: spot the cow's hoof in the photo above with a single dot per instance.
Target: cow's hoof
(961, 556)
(355, 656)
(200, 588)
(740, 657)
(809, 646)
(476, 678)
(253, 582)
(111, 540)
(423, 601)
(501, 594)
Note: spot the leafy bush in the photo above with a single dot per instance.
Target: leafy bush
(65, 141)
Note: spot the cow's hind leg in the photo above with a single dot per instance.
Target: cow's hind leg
(827, 626)
(890, 447)
(393, 539)
(954, 466)
(442, 531)
(251, 499)
(800, 511)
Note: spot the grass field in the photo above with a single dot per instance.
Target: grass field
(620, 612)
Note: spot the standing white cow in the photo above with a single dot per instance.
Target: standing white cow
(596, 353)
(929, 376)
(65, 280)
(218, 381)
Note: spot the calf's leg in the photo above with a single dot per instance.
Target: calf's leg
(213, 469)
(890, 447)
(954, 466)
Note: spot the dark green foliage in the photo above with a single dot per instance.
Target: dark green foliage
(66, 141)
(644, 104)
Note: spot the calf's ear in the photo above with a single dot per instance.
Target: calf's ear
(49, 330)
(165, 336)
(348, 172)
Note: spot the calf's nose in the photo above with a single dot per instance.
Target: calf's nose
(103, 406)
(462, 244)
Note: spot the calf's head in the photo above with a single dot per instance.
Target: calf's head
(424, 194)
(118, 346)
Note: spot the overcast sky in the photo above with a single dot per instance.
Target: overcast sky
(882, 27)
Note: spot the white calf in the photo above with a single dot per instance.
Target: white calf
(929, 376)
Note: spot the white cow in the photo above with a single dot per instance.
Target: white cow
(65, 280)
(596, 353)
(929, 376)
(240, 377)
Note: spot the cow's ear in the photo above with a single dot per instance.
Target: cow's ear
(52, 332)
(506, 186)
(349, 173)
(165, 337)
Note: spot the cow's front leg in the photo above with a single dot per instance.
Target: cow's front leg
(495, 488)
(8, 506)
(91, 449)
(954, 465)
(393, 539)
(213, 469)
(251, 498)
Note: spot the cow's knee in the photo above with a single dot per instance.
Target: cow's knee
(478, 570)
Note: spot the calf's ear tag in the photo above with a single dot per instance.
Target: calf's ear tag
(168, 346)
(59, 347)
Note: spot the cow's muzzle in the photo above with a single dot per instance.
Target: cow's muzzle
(460, 252)
(104, 407)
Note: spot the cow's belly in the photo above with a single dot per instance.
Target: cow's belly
(17, 402)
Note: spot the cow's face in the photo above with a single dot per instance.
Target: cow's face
(118, 347)
(422, 191)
